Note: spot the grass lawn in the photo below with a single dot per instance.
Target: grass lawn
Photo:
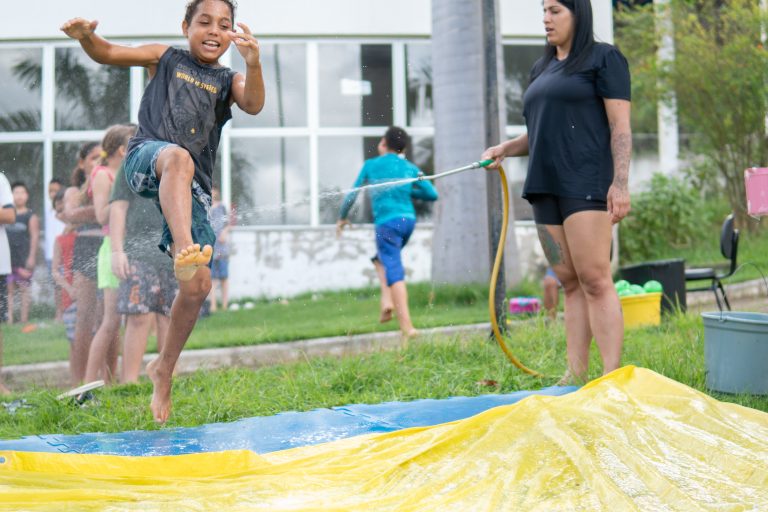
(439, 368)
(306, 316)
(356, 311)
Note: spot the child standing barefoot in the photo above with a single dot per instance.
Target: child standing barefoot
(171, 158)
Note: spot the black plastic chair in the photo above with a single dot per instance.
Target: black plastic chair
(729, 246)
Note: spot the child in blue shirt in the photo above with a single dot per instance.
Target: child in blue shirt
(172, 156)
(394, 217)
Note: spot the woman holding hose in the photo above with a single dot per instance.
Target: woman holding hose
(579, 143)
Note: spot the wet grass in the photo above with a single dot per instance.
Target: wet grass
(436, 368)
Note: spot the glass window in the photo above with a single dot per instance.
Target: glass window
(518, 61)
(20, 80)
(270, 180)
(24, 162)
(355, 84)
(285, 81)
(89, 96)
(339, 162)
(418, 74)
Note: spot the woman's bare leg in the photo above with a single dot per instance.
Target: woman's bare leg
(577, 333)
(588, 235)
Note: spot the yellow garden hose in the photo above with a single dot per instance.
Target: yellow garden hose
(499, 254)
(495, 274)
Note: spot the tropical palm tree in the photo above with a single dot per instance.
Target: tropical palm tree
(461, 247)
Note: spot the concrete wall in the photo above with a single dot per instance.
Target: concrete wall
(283, 262)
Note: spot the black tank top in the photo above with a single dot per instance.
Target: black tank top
(18, 239)
(186, 103)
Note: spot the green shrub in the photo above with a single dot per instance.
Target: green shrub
(669, 215)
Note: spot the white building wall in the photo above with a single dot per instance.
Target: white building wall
(283, 262)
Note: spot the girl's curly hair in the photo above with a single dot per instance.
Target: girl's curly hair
(193, 4)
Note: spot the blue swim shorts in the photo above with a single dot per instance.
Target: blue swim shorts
(391, 237)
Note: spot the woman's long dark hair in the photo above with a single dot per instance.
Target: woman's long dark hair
(583, 39)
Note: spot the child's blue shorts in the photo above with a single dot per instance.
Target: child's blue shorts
(391, 237)
(142, 179)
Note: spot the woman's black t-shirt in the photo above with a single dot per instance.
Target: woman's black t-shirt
(569, 140)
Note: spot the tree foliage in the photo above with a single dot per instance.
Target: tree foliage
(718, 76)
(669, 215)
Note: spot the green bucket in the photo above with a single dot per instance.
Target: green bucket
(736, 352)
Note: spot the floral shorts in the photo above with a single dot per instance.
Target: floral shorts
(148, 289)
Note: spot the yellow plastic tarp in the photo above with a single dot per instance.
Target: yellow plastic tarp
(632, 440)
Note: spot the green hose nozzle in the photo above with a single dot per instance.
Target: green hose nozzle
(485, 163)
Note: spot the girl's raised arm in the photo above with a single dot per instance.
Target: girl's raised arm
(104, 52)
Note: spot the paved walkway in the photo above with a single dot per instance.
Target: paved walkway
(749, 296)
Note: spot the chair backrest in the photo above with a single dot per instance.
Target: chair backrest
(729, 242)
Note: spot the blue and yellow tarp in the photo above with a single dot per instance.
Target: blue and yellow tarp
(632, 440)
(264, 434)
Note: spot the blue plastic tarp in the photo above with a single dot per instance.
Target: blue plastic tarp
(279, 432)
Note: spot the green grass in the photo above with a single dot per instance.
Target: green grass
(306, 316)
(356, 311)
(440, 368)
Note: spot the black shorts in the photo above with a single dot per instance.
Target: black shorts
(553, 210)
(85, 255)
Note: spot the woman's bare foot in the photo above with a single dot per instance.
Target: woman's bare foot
(188, 260)
(4, 390)
(386, 314)
(568, 379)
(161, 393)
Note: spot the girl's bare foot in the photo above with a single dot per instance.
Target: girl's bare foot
(161, 393)
(4, 390)
(188, 260)
(386, 314)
